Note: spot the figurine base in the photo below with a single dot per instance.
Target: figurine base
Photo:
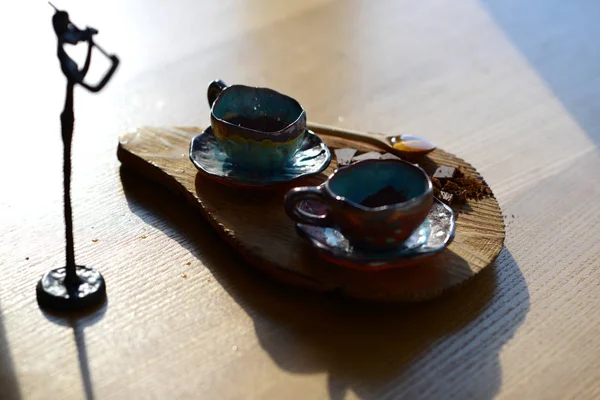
(54, 295)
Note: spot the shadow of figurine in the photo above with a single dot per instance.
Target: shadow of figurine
(449, 345)
(9, 384)
(78, 322)
(74, 287)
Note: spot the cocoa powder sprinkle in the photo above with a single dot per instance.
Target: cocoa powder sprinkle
(461, 187)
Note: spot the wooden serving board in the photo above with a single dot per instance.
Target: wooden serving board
(254, 223)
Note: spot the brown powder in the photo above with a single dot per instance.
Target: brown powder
(452, 187)
(474, 188)
(462, 187)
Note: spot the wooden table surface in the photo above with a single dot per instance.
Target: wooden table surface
(511, 86)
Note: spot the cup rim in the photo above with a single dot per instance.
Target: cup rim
(264, 89)
(405, 204)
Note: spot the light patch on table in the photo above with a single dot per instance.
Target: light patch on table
(344, 156)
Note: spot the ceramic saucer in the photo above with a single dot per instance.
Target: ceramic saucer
(208, 156)
(432, 236)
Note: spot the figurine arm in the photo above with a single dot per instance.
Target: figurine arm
(105, 79)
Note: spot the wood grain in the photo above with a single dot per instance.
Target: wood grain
(511, 86)
(254, 223)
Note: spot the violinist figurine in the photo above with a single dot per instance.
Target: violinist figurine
(74, 287)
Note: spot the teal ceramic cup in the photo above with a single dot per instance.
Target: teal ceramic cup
(258, 128)
(370, 227)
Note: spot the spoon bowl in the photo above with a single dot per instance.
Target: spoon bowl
(411, 144)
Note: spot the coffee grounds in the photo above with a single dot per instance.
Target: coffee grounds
(384, 197)
(462, 187)
(475, 188)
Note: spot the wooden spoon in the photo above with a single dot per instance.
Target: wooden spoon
(402, 145)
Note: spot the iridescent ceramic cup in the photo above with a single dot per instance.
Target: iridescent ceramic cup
(374, 228)
(258, 128)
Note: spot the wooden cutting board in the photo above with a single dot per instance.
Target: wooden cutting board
(254, 222)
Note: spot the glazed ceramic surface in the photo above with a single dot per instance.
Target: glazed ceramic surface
(433, 235)
(258, 128)
(381, 227)
(208, 156)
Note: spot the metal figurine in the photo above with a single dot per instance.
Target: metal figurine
(74, 287)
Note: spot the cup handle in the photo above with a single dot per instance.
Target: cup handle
(214, 89)
(296, 195)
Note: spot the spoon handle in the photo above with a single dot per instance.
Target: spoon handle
(371, 138)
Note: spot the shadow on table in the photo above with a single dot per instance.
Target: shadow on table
(559, 40)
(9, 387)
(78, 323)
(450, 345)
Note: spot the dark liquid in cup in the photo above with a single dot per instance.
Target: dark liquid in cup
(384, 197)
(262, 123)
